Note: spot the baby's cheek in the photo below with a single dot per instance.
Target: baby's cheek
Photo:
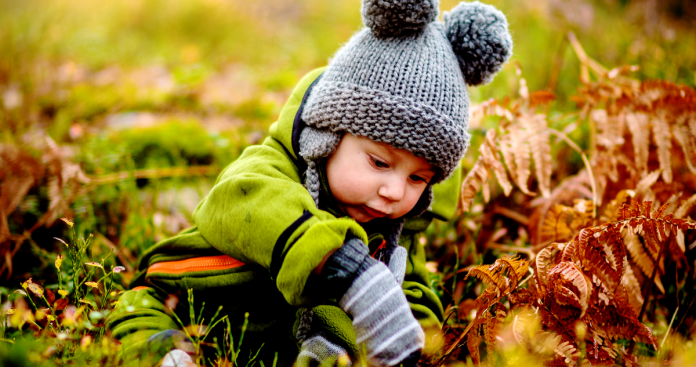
(412, 199)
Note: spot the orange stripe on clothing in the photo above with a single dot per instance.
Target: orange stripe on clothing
(204, 263)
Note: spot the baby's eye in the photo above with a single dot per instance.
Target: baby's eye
(415, 178)
(379, 163)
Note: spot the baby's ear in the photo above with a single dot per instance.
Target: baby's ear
(392, 18)
(480, 38)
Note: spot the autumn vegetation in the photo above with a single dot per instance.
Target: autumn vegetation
(575, 240)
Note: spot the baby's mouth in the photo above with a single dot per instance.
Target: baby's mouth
(374, 213)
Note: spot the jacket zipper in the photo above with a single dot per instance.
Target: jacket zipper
(204, 263)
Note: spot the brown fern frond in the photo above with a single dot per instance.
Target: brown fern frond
(609, 128)
(546, 259)
(517, 155)
(516, 267)
(473, 340)
(524, 326)
(571, 252)
(491, 327)
(567, 273)
(489, 275)
(614, 248)
(633, 288)
(685, 207)
(564, 350)
(663, 140)
(641, 258)
(594, 260)
(618, 319)
(474, 181)
(612, 210)
(540, 97)
(687, 140)
(489, 154)
(541, 151)
(646, 183)
(490, 107)
(638, 124)
(557, 224)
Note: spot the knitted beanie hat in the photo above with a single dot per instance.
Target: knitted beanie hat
(402, 81)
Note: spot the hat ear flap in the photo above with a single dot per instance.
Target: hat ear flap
(480, 38)
(392, 18)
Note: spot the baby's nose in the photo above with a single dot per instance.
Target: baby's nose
(393, 189)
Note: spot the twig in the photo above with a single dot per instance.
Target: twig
(585, 60)
(669, 328)
(521, 219)
(155, 173)
(575, 147)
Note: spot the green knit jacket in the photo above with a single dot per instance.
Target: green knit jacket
(257, 237)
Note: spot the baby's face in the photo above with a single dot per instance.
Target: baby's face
(372, 180)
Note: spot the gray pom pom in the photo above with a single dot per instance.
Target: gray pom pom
(480, 39)
(391, 18)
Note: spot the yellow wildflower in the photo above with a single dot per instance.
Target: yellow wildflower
(92, 284)
(63, 292)
(67, 221)
(33, 287)
(59, 262)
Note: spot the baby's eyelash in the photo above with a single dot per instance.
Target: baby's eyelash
(379, 163)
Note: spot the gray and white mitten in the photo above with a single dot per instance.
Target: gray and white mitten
(382, 316)
(319, 351)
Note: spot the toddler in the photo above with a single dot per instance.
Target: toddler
(298, 240)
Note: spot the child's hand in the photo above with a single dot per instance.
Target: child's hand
(382, 318)
(318, 351)
(370, 293)
(397, 263)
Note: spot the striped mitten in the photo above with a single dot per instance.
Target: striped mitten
(381, 314)
(318, 351)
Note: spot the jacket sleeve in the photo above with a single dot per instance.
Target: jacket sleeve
(139, 314)
(259, 213)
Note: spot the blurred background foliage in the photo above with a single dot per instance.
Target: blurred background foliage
(151, 99)
(133, 85)
(150, 85)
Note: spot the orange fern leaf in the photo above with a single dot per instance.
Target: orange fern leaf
(545, 260)
(633, 288)
(490, 275)
(473, 341)
(663, 140)
(641, 258)
(541, 151)
(517, 155)
(489, 154)
(569, 272)
(474, 181)
(687, 140)
(640, 134)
